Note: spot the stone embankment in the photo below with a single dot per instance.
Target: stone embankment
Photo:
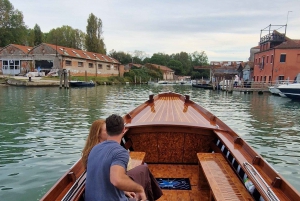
(34, 82)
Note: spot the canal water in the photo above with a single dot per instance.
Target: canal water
(43, 130)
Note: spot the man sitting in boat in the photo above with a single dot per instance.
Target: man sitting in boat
(114, 186)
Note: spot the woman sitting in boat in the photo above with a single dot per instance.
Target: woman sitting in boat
(149, 184)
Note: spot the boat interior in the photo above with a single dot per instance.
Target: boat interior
(180, 140)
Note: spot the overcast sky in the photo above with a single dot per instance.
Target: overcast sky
(224, 29)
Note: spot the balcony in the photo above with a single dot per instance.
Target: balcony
(273, 38)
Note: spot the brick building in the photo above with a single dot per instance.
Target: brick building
(278, 58)
(49, 57)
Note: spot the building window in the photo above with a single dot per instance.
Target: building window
(115, 67)
(265, 78)
(259, 60)
(298, 58)
(80, 64)
(267, 59)
(68, 63)
(91, 65)
(99, 66)
(108, 67)
(272, 57)
(256, 61)
(281, 77)
(270, 79)
(282, 58)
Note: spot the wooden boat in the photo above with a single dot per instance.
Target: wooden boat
(81, 84)
(180, 139)
(203, 86)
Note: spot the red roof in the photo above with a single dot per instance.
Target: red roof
(289, 44)
(163, 68)
(71, 52)
(23, 48)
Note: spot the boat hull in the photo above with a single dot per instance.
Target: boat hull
(203, 86)
(290, 90)
(81, 84)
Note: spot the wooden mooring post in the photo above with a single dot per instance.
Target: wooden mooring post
(63, 81)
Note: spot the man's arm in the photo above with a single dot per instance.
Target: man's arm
(121, 181)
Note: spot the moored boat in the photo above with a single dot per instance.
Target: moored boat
(203, 86)
(182, 140)
(81, 84)
(290, 90)
(273, 90)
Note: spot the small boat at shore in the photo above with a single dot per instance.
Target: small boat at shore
(182, 141)
(291, 91)
(203, 86)
(81, 84)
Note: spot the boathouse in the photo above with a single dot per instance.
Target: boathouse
(18, 59)
(278, 58)
(14, 59)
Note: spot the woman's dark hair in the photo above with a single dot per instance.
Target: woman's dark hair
(114, 125)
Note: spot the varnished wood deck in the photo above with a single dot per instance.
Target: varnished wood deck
(180, 171)
(170, 110)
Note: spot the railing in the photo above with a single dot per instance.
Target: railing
(243, 85)
(260, 182)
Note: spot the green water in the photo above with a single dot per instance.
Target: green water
(43, 130)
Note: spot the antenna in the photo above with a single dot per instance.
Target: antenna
(287, 18)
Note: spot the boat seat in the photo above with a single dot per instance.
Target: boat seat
(223, 182)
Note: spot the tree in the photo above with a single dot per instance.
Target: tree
(160, 59)
(199, 58)
(185, 59)
(12, 27)
(122, 57)
(176, 66)
(66, 36)
(38, 35)
(93, 40)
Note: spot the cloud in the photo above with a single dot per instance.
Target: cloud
(225, 30)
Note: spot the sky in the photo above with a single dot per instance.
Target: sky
(224, 29)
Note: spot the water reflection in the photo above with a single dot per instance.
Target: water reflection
(42, 130)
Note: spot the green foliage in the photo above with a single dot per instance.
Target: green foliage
(176, 66)
(198, 74)
(93, 40)
(66, 36)
(12, 27)
(160, 59)
(38, 35)
(142, 74)
(122, 57)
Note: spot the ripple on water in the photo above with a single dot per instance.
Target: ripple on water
(43, 130)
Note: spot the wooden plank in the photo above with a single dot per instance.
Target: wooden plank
(224, 183)
(136, 159)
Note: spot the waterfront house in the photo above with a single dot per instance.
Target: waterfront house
(223, 69)
(14, 59)
(248, 71)
(168, 73)
(48, 57)
(78, 62)
(278, 58)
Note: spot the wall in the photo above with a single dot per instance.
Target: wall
(289, 69)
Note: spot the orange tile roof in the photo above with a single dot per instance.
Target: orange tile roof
(23, 48)
(288, 44)
(71, 52)
(163, 68)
